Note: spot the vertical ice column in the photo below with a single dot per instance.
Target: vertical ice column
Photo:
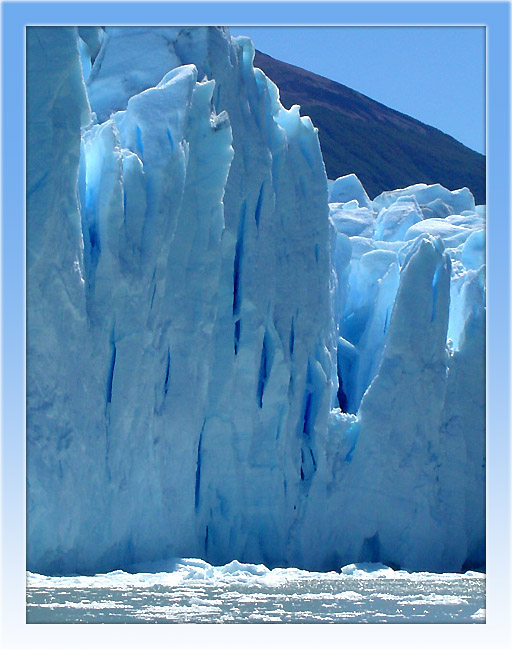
(155, 176)
(63, 501)
(57, 108)
(206, 369)
(462, 434)
(270, 385)
(368, 292)
(392, 481)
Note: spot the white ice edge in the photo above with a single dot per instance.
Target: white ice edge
(176, 572)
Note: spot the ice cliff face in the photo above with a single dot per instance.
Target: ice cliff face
(194, 314)
(406, 445)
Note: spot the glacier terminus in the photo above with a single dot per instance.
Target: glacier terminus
(229, 356)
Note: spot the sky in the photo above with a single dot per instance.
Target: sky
(435, 74)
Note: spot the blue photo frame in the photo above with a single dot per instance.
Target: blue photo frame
(495, 16)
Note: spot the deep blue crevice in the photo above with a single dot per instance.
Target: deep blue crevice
(350, 453)
(342, 398)
(198, 470)
(82, 183)
(139, 140)
(370, 550)
(152, 297)
(238, 261)
(309, 405)
(38, 184)
(216, 90)
(94, 239)
(262, 376)
(257, 212)
(154, 289)
(237, 334)
(306, 430)
(265, 368)
(292, 337)
(308, 464)
(236, 279)
(386, 320)
(167, 372)
(291, 385)
(89, 225)
(169, 137)
(92, 254)
(110, 379)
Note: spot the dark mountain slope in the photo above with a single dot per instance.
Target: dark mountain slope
(385, 148)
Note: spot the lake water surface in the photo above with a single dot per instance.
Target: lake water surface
(193, 591)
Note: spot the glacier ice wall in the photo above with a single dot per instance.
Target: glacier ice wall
(205, 297)
(406, 445)
(220, 364)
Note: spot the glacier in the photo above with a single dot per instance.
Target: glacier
(230, 357)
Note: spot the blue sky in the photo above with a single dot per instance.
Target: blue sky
(435, 74)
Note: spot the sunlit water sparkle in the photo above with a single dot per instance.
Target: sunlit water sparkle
(193, 591)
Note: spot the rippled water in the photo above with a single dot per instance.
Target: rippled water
(192, 591)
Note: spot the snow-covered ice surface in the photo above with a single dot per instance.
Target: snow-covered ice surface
(193, 591)
(221, 363)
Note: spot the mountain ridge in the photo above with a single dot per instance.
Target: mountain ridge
(385, 148)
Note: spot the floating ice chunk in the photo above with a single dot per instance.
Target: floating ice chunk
(238, 568)
(368, 570)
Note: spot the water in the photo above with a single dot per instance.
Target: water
(193, 591)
